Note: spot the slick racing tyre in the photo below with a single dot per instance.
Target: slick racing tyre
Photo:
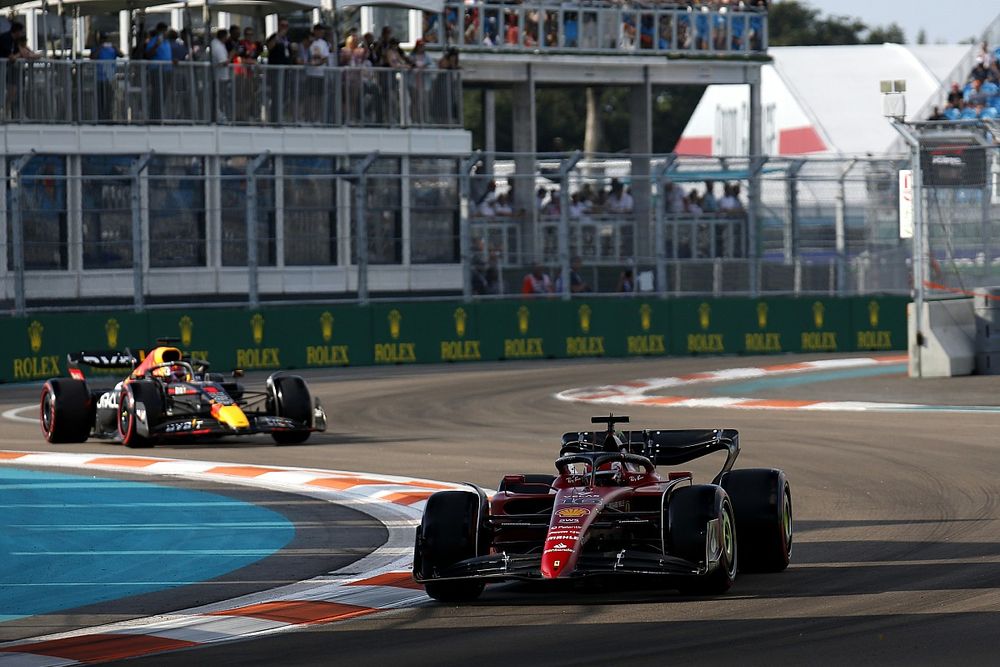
(66, 413)
(689, 512)
(447, 535)
(288, 396)
(128, 420)
(762, 501)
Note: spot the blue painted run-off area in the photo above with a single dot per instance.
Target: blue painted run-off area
(798, 379)
(68, 541)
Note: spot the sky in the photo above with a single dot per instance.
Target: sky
(946, 21)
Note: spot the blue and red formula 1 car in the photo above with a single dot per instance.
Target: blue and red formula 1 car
(610, 511)
(169, 396)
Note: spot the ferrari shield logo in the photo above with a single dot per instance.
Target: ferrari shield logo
(584, 314)
(704, 316)
(761, 315)
(326, 326)
(257, 327)
(35, 330)
(186, 325)
(523, 316)
(395, 321)
(460, 317)
(873, 314)
(819, 311)
(645, 316)
(111, 328)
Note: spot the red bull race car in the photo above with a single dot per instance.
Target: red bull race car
(169, 396)
(610, 511)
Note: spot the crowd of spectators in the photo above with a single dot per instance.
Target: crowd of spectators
(979, 95)
(702, 26)
(615, 199)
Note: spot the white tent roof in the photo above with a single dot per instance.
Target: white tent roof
(821, 99)
(426, 5)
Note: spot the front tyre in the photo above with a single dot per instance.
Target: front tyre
(447, 535)
(128, 417)
(288, 396)
(762, 501)
(65, 411)
(700, 520)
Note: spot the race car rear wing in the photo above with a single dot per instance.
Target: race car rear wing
(669, 447)
(107, 359)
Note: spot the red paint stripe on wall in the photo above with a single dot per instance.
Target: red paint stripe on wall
(798, 140)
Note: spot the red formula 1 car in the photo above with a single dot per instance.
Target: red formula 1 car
(609, 511)
(169, 396)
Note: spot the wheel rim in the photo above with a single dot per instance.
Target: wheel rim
(124, 416)
(728, 540)
(47, 401)
(787, 519)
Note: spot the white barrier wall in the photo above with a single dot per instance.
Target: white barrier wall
(949, 329)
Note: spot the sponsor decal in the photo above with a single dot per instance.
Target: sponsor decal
(257, 328)
(260, 357)
(326, 326)
(395, 323)
(573, 512)
(645, 316)
(761, 315)
(555, 551)
(460, 317)
(704, 316)
(327, 355)
(523, 348)
(108, 401)
(584, 313)
(873, 339)
(819, 310)
(33, 368)
(579, 500)
(819, 341)
(396, 352)
(184, 426)
(523, 319)
(648, 344)
(111, 329)
(585, 346)
(705, 342)
(460, 350)
(573, 521)
(186, 325)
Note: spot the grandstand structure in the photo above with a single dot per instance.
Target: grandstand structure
(134, 182)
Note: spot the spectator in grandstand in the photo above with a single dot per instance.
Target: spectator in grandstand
(626, 281)
(233, 42)
(692, 203)
(536, 282)
(394, 57)
(708, 201)
(220, 64)
(976, 96)
(449, 60)
(730, 202)
(419, 56)
(503, 207)
(576, 207)
(178, 47)
(541, 196)
(674, 198)
(955, 97)
(577, 285)
(9, 39)
(249, 49)
(937, 115)
(619, 199)
(279, 48)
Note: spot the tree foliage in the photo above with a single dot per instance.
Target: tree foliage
(792, 23)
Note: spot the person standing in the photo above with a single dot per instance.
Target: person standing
(105, 52)
(279, 54)
(219, 53)
(319, 60)
(159, 50)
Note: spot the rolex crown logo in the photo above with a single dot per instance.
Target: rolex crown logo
(819, 311)
(35, 330)
(761, 315)
(523, 317)
(704, 315)
(257, 327)
(186, 325)
(645, 316)
(584, 314)
(326, 325)
(395, 320)
(873, 314)
(111, 328)
(460, 317)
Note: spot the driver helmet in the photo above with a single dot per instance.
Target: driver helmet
(175, 373)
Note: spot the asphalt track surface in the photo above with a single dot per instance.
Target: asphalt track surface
(897, 519)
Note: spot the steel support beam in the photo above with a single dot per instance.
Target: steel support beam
(17, 231)
(138, 264)
(358, 174)
(253, 285)
(565, 167)
(464, 235)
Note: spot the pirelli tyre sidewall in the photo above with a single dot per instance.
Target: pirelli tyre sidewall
(288, 396)
(132, 394)
(65, 411)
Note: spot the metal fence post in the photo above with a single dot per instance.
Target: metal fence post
(791, 236)
(464, 232)
(361, 223)
(660, 230)
(840, 227)
(564, 260)
(253, 286)
(17, 231)
(919, 257)
(135, 174)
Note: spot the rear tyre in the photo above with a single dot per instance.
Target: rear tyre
(289, 397)
(65, 411)
(762, 501)
(128, 419)
(688, 515)
(447, 535)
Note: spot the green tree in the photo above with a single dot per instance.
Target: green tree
(890, 34)
(792, 23)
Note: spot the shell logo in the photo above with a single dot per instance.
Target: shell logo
(523, 317)
(584, 314)
(573, 512)
(186, 325)
(395, 323)
(819, 310)
(111, 329)
(704, 316)
(35, 330)
(761, 315)
(645, 316)
(326, 325)
(257, 327)
(873, 309)
(460, 317)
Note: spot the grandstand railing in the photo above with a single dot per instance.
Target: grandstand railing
(141, 93)
(573, 27)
